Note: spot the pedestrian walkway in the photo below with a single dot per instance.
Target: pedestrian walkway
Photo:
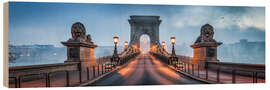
(60, 79)
(221, 77)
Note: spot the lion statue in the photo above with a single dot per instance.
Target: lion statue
(78, 33)
(207, 34)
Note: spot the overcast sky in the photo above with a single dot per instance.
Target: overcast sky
(50, 23)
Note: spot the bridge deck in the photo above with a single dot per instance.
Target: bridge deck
(145, 70)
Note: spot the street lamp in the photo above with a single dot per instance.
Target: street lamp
(163, 45)
(115, 58)
(173, 55)
(125, 45)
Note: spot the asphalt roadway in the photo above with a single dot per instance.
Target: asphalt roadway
(145, 70)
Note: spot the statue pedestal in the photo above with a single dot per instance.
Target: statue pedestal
(82, 52)
(205, 52)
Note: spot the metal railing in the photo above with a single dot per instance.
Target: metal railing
(66, 77)
(215, 75)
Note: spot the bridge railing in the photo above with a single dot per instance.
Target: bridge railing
(217, 75)
(60, 78)
(104, 59)
(218, 72)
(63, 74)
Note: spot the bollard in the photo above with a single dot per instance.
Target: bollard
(198, 71)
(98, 70)
(185, 65)
(16, 82)
(94, 72)
(253, 77)
(112, 67)
(19, 82)
(176, 66)
(192, 66)
(67, 78)
(80, 76)
(256, 77)
(102, 69)
(47, 79)
(87, 73)
(188, 67)
(218, 71)
(233, 76)
(105, 68)
(182, 66)
(206, 73)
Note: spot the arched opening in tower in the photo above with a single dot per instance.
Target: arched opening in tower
(145, 44)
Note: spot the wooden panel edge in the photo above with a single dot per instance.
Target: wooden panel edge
(5, 44)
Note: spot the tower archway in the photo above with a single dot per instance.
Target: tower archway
(144, 43)
(148, 25)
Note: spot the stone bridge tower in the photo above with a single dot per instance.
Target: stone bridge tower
(141, 25)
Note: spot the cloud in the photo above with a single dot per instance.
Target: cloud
(220, 17)
(254, 17)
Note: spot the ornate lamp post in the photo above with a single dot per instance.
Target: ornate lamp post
(173, 56)
(115, 58)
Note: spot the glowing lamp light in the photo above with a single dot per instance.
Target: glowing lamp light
(134, 46)
(173, 40)
(115, 39)
(163, 43)
(125, 43)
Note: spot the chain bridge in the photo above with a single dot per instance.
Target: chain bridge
(131, 67)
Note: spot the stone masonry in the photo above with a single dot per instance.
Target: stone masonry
(205, 47)
(141, 25)
(80, 47)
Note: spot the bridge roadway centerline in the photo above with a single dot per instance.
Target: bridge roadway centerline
(145, 70)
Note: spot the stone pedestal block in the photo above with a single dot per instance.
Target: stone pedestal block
(80, 52)
(205, 52)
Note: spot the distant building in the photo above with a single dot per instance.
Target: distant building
(243, 52)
